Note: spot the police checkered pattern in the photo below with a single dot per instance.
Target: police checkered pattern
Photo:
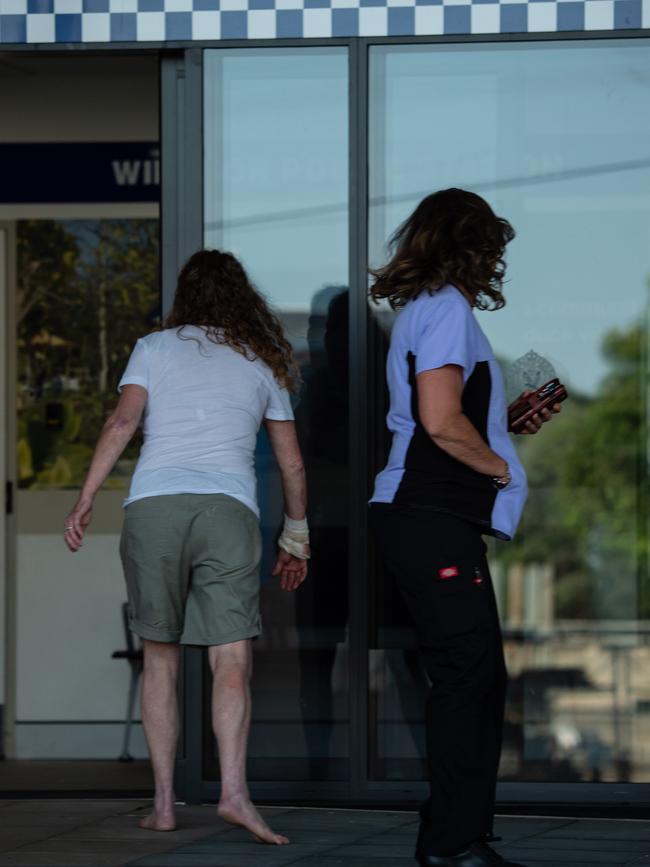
(101, 21)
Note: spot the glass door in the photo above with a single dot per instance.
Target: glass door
(276, 195)
(568, 166)
(85, 290)
(556, 137)
(80, 221)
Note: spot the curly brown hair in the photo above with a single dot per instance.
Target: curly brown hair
(214, 291)
(453, 236)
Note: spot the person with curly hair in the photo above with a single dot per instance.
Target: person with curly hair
(219, 367)
(452, 475)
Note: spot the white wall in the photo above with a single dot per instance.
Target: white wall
(69, 623)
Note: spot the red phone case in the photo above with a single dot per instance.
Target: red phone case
(522, 409)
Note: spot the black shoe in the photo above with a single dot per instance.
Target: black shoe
(477, 855)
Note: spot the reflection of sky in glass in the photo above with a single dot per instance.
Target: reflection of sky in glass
(557, 138)
(276, 167)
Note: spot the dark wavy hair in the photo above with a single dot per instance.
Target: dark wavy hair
(453, 236)
(215, 292)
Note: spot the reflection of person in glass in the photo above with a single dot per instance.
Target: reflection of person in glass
(452, 475)
(322, 419)
(218, 369)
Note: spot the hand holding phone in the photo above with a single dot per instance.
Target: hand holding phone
(525, 407)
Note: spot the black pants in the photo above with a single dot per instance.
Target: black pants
(439, 564)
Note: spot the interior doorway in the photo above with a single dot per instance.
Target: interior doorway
(80, 223)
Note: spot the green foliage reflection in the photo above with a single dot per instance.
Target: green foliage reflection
(86, 290)
(587, 510)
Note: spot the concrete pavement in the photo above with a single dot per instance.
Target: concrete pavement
(105, 833)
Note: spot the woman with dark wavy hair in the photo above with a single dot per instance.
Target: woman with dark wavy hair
(219, 368)
(452, 475)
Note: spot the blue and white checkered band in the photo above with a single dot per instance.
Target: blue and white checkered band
(101, 21)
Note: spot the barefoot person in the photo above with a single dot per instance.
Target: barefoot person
(452, 475)
(218, 369)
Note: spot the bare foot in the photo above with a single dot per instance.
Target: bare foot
(240, 811)
(159, 820)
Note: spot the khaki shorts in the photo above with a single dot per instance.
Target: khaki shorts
(191, 563)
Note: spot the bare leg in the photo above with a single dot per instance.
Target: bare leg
(160, 721)
(231, 666)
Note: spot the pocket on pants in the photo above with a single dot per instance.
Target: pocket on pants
(447, 598)
(461, 598)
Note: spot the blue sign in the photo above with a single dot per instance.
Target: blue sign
(79, 172)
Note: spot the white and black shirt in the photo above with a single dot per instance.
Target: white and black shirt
(431, 331)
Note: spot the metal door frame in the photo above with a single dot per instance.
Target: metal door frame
(7, 476)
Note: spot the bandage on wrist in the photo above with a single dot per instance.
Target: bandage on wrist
(294, 538)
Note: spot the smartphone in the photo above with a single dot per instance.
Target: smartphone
(522, 409)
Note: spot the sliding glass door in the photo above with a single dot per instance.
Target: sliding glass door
(556, 136)
(276, 195)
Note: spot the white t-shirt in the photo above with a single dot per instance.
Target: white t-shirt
(205, 405)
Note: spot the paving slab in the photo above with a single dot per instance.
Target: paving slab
(10, 841)
(558, 844)
(530, 863)
(528, 840)
(532, 824)
(312, 818)
(605, 829)
(84, 833)
(210, 860)
(85, 806)
(31, 859)
(337, 861)
(369, 850)
(64, 845)
(547, 857)
(217, 846)
(44, 821)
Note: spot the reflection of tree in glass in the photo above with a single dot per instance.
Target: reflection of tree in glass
(86, 291)
(588, 480)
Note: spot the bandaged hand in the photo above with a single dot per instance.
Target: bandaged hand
(294, 538)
